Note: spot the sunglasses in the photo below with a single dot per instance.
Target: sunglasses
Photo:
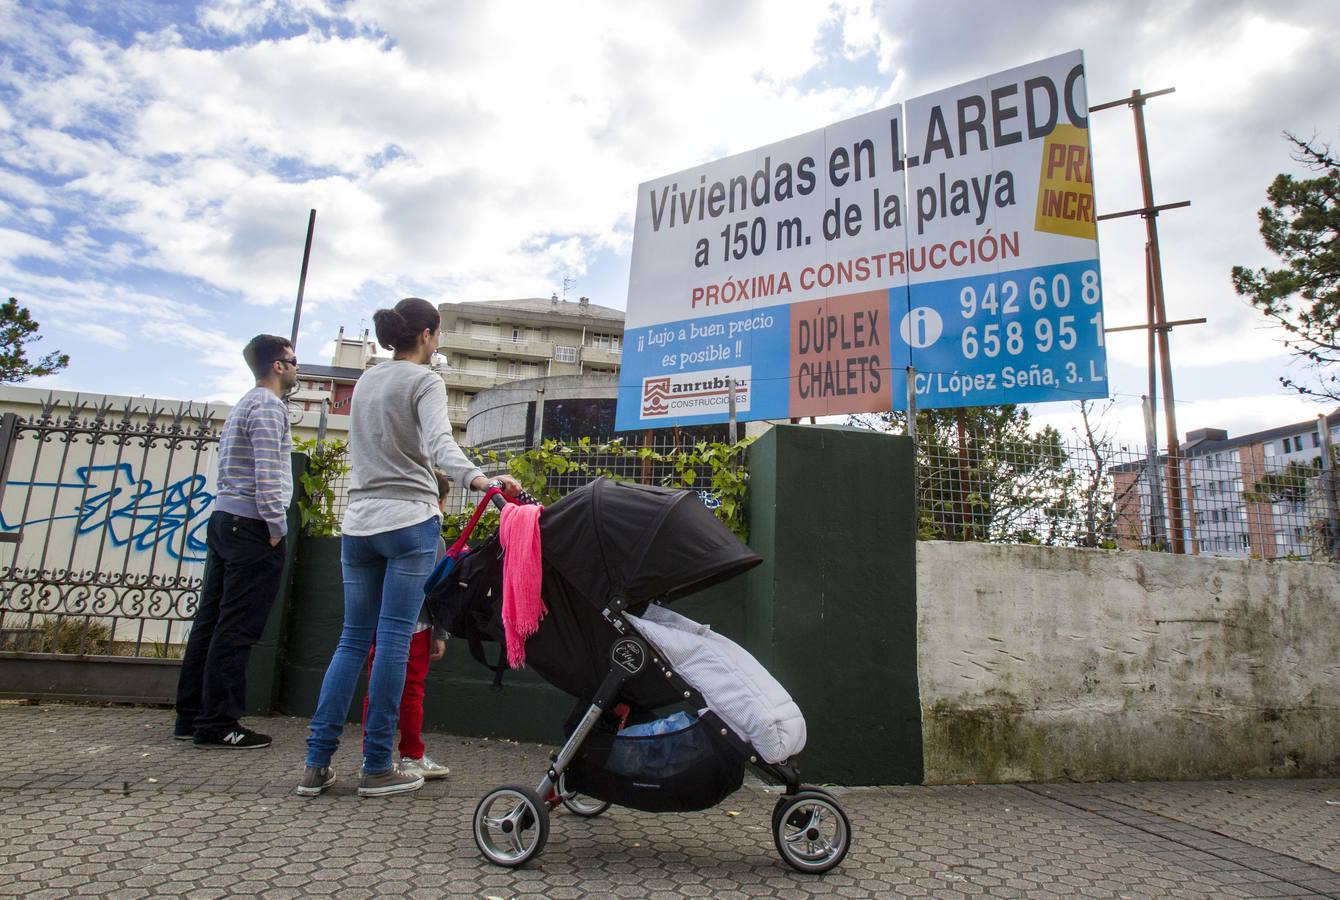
(291, 362)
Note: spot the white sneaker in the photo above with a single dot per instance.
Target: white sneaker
(423, 766)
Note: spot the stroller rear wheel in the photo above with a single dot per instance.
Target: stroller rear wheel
(811, 831)
(511, 826)
(580, 804)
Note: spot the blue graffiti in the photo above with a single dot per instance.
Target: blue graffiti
(174, 517)
(711, 499)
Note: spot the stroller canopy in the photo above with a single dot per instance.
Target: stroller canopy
(609, 538)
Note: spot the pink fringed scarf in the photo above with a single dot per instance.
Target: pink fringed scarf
(522, 606)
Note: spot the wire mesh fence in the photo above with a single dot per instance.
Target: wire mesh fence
(562, 468)
(1042, 490)
(1234, 502)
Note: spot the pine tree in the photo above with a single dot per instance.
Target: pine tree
(1302, 227)
(17, 330)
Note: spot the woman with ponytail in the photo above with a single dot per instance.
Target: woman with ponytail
(398, 431)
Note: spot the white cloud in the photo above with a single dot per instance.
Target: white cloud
(102, 334)
(21, 245)
(469, 170)
(461, 151)
(21, 187)
(216, 350)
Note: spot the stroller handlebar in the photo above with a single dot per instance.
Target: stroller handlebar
(492, 494)
(498, 498)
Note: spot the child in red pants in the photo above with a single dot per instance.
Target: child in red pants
(428, 644)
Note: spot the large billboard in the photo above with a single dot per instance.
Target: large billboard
(954, 233)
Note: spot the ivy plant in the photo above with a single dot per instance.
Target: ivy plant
(547, 472)
(327, 463)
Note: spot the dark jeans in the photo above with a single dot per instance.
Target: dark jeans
(241, 578)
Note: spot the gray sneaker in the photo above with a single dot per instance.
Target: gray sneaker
(384, 784)
(424, 766)
(314, 781)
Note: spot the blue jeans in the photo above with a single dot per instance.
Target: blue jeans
(383, 592)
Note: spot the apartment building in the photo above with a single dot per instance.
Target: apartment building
(334, 384)
(483, 344)
(494, 342)
(1241, 497)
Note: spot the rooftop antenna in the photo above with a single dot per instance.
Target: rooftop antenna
(567, 282)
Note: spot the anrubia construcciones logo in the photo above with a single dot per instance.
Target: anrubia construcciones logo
(695, 393)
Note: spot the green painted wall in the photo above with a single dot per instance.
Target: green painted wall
(832, 611)
(459, 696)
(264, 668)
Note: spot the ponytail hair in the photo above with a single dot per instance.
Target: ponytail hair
(398, 329)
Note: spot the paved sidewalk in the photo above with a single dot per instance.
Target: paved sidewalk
(102, 801)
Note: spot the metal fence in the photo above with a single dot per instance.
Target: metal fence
(625, 462)
(1235, 502)
(102, 527)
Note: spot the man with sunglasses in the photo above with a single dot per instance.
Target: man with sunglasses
(246, 554)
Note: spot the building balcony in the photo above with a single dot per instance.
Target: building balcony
(472, 380)
(600, 356)
(470, 344)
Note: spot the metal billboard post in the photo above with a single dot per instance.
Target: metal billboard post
(1156, 536)
(1330, 486)
(912, 403)
(730, 386)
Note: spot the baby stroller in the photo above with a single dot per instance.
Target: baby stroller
(614, 555)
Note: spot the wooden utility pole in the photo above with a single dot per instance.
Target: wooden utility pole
(1158, 324)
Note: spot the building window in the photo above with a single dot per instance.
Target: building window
(516, 332)
(1269, 449)
(604, 341)
(565, 354)
(1297, 443)
(1316, 440)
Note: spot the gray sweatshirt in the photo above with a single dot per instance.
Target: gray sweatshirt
(399, 429)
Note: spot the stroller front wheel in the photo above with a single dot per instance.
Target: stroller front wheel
(811, 831)
(511, 826)
(580, 804)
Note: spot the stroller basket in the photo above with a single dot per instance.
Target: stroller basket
(690, 769)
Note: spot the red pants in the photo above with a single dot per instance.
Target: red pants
(411, 701)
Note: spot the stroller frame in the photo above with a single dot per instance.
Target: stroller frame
(810, 829)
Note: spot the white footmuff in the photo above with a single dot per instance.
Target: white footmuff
(736, 687)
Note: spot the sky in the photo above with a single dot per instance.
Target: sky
(158, 159)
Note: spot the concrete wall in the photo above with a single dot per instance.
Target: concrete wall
(1041, 663)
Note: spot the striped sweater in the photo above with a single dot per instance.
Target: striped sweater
(255, 474)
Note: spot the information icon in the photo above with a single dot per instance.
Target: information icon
(921, 327)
